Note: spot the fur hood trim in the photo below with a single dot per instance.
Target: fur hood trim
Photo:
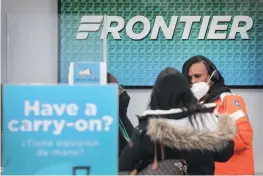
(186, 137)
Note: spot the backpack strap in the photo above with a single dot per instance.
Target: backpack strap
(155, 161)
(139, 131)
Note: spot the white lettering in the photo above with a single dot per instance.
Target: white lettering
(60, 109)
(91, 110)
(38, 124)
(81, 125)
(29, 108)
(108, 121)
(50, 109)
(203, 28)
(58, 126)
(26, 126)
(46, 110)
(72, 109)
(143, 33)
(240, 29)
(39, 143)
(167, 31)
(41, 152)
(189, 20)
(46, 125)
(95, 124)
(11, 126)
(113, 30)
(216, 27)
(88, 24)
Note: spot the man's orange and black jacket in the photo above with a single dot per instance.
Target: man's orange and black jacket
(242, 162)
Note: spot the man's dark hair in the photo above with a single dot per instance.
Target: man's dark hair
(210, 66)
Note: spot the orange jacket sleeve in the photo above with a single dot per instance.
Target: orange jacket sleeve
(234, 105)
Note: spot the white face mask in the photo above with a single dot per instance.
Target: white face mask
(200, 89)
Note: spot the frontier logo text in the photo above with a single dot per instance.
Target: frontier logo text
(209, 28)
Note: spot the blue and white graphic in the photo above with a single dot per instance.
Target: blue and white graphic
(60, 130)
(87, 72)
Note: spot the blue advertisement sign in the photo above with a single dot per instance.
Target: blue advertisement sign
(60, 130)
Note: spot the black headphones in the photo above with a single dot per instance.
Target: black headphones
(214, 76)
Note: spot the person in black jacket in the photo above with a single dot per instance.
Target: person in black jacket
(125, 126)
(185, 129)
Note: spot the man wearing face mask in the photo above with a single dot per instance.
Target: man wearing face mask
(209, 87)
(125, 126)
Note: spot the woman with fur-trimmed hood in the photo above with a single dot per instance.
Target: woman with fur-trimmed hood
(185, 129)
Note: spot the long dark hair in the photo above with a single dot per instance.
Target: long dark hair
(171, 91)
